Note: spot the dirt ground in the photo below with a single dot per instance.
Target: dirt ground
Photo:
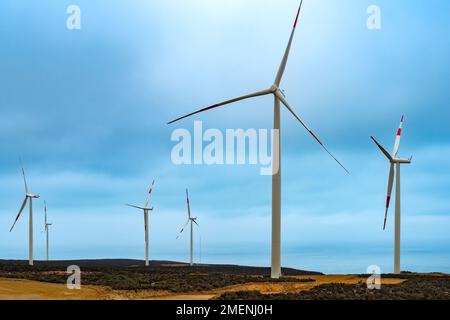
(18, 289)
(14, 289)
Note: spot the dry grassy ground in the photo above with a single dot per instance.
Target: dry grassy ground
(28, 290)
(174, 281)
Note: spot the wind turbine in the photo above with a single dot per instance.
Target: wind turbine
(46, 225)
(279, 97)
(395, 168)
(145, 209)
(191, 220)
(28, 197)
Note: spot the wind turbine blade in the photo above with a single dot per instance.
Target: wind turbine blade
(188, 204)
(45, 217)
(182, 229)
(133, 206)
(194, 221)
(389, 192)
(286, 104)
(145, 226)
(397, 138)
(20, 212)
(282, 67)
(383, 150)
(149, 194)
(45, 210)
(25, 181)
(248, 96)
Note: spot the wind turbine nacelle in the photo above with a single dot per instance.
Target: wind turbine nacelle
(34, 196)
(403, 161)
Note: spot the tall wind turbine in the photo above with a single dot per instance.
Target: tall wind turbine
(395, 162)
(145, 209)
(46, 226)
(279, 97)
(28, 197)
(190, 220)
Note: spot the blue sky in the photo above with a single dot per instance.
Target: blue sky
(87, 111)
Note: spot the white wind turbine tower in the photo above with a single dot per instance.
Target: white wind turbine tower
(279, 97)
(145, 210)
(28, 197)
(46, 226)
(394, 168)
(190, 220)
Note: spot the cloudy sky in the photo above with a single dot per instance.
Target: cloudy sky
(87, 111)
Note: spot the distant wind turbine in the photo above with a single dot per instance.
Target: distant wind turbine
(190, 220)
(279, 97)
(46, 226)
(145, 209)
(28, 197)
(394, 161)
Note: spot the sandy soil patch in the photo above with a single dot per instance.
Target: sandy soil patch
(18, 289)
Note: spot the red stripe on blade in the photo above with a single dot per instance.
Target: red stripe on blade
(388, 201)
(151, 188)
(298, 15)
(399, 132)
(315, 137)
